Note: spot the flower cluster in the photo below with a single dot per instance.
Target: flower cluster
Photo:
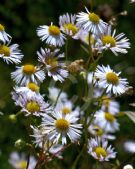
(57, 119)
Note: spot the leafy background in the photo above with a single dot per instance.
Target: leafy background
(21, 18)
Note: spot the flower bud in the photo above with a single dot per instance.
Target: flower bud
(12, 118)
(83, 74)
(19, 144)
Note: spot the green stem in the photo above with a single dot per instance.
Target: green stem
(66, 50)
(91, 4)
(28, 161)
(77, 159)
(58, 96)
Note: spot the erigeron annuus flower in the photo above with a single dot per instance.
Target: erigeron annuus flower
(91, 22)
(100, 150)
(42, 141)
(107, 121)
(110, 80)
(67, 107)
(59, 127)
(40, 136)
(68, 25)
(116, 43)
(52, 35)
(11, 54)
(4, 37)
(54, 68)
(19, 161)
(98, 131)
(29, 89)
(32, 104)
(28, 73)
(109, 104)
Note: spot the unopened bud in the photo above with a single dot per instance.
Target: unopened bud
(19, 144)
(113, 21)
(124, 13)
(129, 90)
(83, 74)
(12, 118)
(76, 66)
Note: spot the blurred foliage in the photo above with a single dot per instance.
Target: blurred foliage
(21, 18)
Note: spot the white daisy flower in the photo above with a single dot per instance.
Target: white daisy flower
(110, 105)
(99, 149)
(97, 131)
(110, 80)
(40, 136)
(11, 54)
(32, 104)
(26, 74)
(41, 140)
(107, 121)
(29, 90)
(4, 37)
(19, 161)
(91, 22)
(55, 68)
(51, 35)
(68, 25)
(130, 146)
(59, 127)
(67, 107)
(54, 93)
(128, 166)
(117, 44)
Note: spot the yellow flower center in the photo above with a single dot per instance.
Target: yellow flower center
(29, 69)
(99, 131)
(112, 78)
(94, 18)
(2, 28)
(71, 27)
(109, 40)
(66, 110)
(109, 117)
(62, 124)
(54, 30)
(32, 106)
(33, 87)
(100, 151)
(52, 62)
(4, 50)
(22, 164)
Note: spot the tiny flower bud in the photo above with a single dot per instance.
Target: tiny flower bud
(19, 144)
(76, 66)
(124, 13)
(12, 118)
(83, 74)
(129, 90)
